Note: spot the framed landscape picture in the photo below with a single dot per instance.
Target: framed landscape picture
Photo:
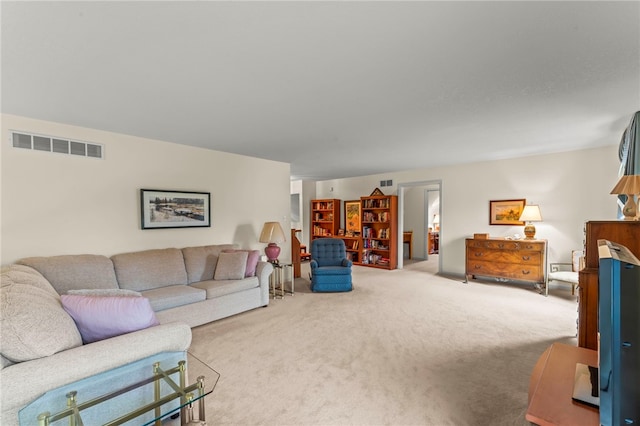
(352, 217)
(174, 209)
(506, 212)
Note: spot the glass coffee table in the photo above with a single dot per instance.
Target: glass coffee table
(148, 392)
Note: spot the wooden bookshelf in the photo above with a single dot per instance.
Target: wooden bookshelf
(379, 231)
(354, 248)
(325, 218)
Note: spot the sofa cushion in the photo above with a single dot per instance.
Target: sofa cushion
(105, 292)
(201, 261)
(145, 270)
(172, 296)
(217, 288)
(74, 271)
(33, 323)
(253, 256)
(231, 266)
(102, 317)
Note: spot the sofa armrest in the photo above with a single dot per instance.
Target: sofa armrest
(263, 272)
(23, 382)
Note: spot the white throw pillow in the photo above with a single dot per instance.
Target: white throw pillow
(33, 323)
(231, 266)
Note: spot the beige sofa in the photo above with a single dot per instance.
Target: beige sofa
(182, 284)
(42, 347)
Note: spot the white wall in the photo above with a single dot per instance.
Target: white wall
(571, 188)
(62, 204)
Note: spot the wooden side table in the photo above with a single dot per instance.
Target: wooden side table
(551, 388)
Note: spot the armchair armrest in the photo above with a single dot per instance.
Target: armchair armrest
(347, 263)
(560, 266)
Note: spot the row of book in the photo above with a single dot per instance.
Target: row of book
(371, 258)
(375, 217)
(369, 232)
(374, 244)
(382, 203)
(320, 231)
(319, 216)
(323, 206)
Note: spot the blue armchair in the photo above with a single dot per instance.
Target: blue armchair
(330, 268)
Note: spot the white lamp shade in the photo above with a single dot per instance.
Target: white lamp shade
(531, 213)
(272, 233)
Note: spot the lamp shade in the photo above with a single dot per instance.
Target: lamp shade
(628, 184)
(531, 213)
(272, 233)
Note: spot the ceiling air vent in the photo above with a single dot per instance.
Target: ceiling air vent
(55, 144)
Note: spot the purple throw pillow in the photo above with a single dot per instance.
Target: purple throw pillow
(102, 317)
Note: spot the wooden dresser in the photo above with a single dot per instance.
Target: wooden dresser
(622, 232)
(505, 260)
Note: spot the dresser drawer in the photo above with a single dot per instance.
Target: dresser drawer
(507, 245)
(514, 256)
(512, 271)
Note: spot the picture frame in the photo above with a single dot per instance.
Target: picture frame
(163, 209)
(506, 212)
(376, 191)
(352, 217)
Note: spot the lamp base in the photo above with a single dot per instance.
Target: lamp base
(272, 251)
(630, 209)
(529, 231)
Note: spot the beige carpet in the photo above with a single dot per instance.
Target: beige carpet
(406, 347)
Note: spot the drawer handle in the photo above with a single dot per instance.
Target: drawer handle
(501, 245)
(529, 246)
(477, 267)
(478, 254)
(526, 272)
(526, 257)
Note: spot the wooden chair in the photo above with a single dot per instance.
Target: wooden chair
(567, 272)
(298, 253)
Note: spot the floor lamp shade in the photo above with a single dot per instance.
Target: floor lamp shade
(272, 234)
(530, 213)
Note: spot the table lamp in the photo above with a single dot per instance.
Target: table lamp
(272, 234)
(436, 222)
(530, 214)
(628, 185)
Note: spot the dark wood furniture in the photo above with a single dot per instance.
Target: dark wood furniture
(380, 231)
(325, 218)
(505, 260)
(433, 242)
(551, 388)
(622, 232)
(407, 238)
(296, 253)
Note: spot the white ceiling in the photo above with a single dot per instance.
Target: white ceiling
(337, 89)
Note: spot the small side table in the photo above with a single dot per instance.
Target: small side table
(282, 274)
(551, 388)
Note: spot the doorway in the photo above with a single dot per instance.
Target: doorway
(419, 203)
